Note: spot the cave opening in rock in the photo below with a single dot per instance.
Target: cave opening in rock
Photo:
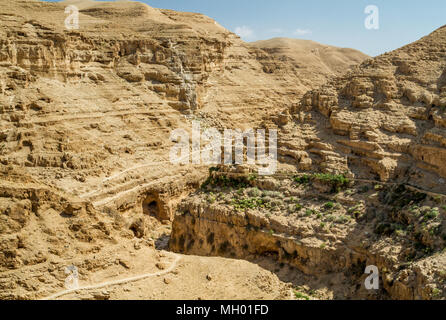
(150, 207)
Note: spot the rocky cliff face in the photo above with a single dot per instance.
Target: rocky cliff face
(324, 226)
(90, 111)
(384, 119)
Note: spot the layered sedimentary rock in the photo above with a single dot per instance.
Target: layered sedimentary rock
(331, 235)
(85, 121)
(384, 119)
(86, 103)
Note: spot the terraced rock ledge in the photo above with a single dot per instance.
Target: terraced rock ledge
(325, 225)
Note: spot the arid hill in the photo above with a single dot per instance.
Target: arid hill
(313, 61)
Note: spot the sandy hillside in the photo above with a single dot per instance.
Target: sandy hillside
(317, 62)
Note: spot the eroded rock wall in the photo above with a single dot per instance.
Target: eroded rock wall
(383, 119)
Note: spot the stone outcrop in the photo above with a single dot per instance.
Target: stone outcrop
(321, 233)
(384, 119)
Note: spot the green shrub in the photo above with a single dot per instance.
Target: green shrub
(248, 203)
(329, 205)
(308, 212)
(338, 181)
(212, 169)
(300, 295)
(211, 198)
(431, 214)
(436, 293)
(225, 181)
(305, 179)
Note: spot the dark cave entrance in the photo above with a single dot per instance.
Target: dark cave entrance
(151, 207)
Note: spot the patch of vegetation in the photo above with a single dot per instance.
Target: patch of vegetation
(378, 187)
(329, 205)
(300, 295)
(273, 194)
(309, 212)
(431, 214)
(337, 181)
(356, 211)
(435, 230)
(213, 169)
(436, 293)
(305, 179)
(442, 275)
(225, 181)
(400, 233)
(401, 197)
(250, 203)
(211, 198)
(349, 192)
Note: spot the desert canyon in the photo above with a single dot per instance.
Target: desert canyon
(85, 178)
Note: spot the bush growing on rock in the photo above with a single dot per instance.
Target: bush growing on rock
(338, 182)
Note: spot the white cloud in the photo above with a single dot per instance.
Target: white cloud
(302, 32)
(244, 32)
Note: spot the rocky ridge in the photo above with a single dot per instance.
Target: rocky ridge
(384, 119)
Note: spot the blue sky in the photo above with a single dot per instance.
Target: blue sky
(339, 23)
